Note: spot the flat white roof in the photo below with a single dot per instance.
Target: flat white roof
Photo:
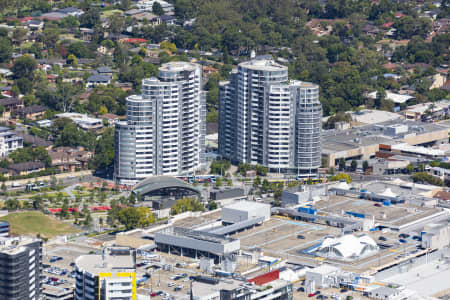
(418, 149)
(248, 205)
(324, 269)
(396, 98)
(370, 116)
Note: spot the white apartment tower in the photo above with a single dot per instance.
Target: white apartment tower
(110, 276)
(266, 119)
(164, 133)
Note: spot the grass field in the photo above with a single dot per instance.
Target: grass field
(32, 223)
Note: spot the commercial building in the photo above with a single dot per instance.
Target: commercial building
(245, 210)
(164, 132)
(364, 142)
(20, 263)
(267, 120)
(110, 276)
(9, 141)
(195, 243)
(226, 193)
(4, 229)
(57, 293)
(264, 287)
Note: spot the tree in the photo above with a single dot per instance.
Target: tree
(354, 165)
(37, 202)
(12, 204)
(88, 219)
(4, 188)
(146, 217)
(157, 9)
(24, 67)
(91, 18)
(72, 60)
(124, 4)
(49, 37)
(212, 205)
(187, 204)
(168, 45)
(219, 166)
(365, 165)
(341, 164)
(340, 176)
(129, 217)
(64, 209)
(6, 49)
(25, 85)
(19, 34)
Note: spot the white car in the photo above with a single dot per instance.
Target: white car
(171, 284)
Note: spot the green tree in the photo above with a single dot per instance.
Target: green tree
(212, 205)
(146, 217)
(12, 204)
(187, 204)
(88, 219)
(354, 165)
(50, 37)
(24, 67)
(341, 164)
(129, 217)
(365, 165)
(6, 49)
(157, 9)
(19, 34)
(124, 4)
(340, 176)
(219, 167)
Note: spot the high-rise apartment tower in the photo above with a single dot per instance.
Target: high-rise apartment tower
(268, 120)
(164, 131)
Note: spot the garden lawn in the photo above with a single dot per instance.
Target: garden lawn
(32, 223)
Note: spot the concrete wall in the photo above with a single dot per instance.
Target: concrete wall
(231, 215)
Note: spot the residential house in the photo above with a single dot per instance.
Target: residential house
(70, 159)
(71, 11)
(87, 34)
(371, 30)
(5, 172)
(53, 16)
(105, 50)
(111, 118)
(168, 20)
(10, 105)
(35, 24)
(32, 112)
(124, 86)
(83, 121)
(104, 70)
(9, 141)
(26, 168)
(34, 141)
(98, 79)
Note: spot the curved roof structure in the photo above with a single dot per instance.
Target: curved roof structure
(155, 183)
(347, 246)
